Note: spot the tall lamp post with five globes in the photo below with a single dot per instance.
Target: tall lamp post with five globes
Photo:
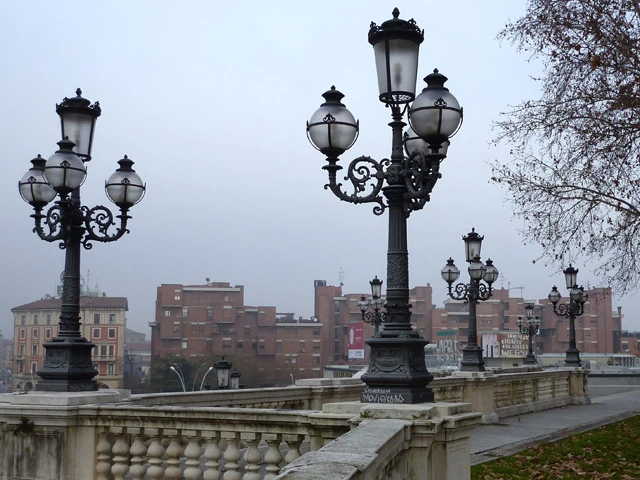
(530, 327)
(571, 310)
(472, 293)
(67, 365)
(401, 184)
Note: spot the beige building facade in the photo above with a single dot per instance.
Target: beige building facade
(102, 321)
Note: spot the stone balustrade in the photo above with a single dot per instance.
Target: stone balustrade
(110, 435)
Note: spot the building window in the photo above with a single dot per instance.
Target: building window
(111, 349)
(111, 369)
(316, 331)
(240, 345)
(23, 319)
(48, 319)
(278, 344)
(254, 344)
(21, 367)
(176, 329)
(316, 345)
(34, 334)
(185, 344)
(35, 319)
(316, 359)
(23, 333)
(21, 350)
(294, 359)
(302, 346)
(96, 319)
(185, 311)
(209, 312)
(112, 333)
(226, 345)
(167, 312)
(47, 333)
(247, 330)
(34, 367)
(34, 349)
(112, 319)
(103, 350)
(261, 344)
(96, 333)
(176, 294)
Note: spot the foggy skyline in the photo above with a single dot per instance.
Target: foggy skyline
(210, 101)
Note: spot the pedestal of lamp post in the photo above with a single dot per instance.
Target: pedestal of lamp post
(68, 366)
(572, 357)
(397, 372)
(472, 359)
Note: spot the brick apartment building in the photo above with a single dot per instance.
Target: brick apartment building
(202, 323)
(102, 321)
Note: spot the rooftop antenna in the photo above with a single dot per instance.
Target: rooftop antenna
(341, 276)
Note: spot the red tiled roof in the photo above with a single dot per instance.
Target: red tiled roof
(85, 302)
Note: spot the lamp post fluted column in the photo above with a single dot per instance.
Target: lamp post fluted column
(68, 366)
(401, 184)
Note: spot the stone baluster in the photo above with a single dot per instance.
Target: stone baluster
(120, 453)
(231, 456)
(192, 452)
(155, 453)
(103, 454)
(173, 452)
(294, 442)
(212, 456)
(137, 451)
(252, 456)
(272, 456)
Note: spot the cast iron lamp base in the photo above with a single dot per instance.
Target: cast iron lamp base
(397, 372)
(572, 358)
(67, 366)
(472, 359)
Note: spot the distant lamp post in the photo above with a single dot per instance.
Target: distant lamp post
(235, 379)
(223, 369)
(375, 317)
(530, 328)
(204, 377)
(574, 308)
(178, 372)
(471, 293)
(67, 365)
(402, 184)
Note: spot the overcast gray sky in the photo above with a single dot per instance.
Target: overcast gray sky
(210, 100)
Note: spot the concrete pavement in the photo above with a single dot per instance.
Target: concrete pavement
(609, 403)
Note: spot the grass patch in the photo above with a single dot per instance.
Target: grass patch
(608, 452)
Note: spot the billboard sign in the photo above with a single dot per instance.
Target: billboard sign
(356, 340)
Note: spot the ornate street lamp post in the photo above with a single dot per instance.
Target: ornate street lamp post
(67, 365)
(571, 310)
(376, 317)
(531, 328)
(471, 293)
(397, 371)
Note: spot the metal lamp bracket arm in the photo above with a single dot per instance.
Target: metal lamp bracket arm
(562, 309)
(459, 292)
(52, 221)
(364, 173)
(97, 223)
(484, 292)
